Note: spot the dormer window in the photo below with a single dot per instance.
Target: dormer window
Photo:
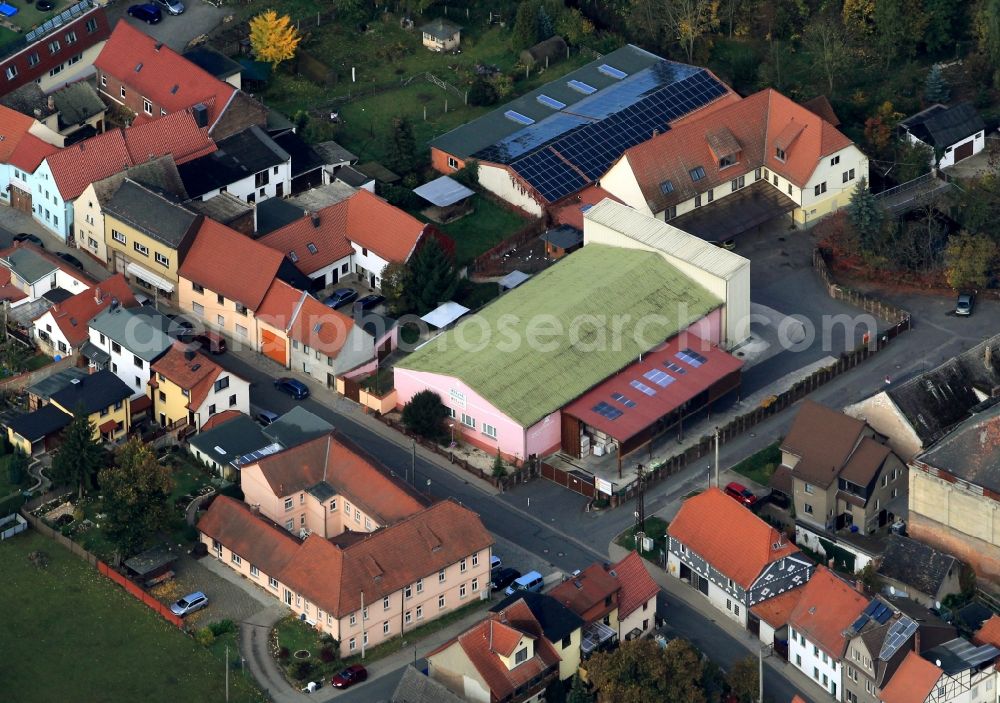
(727, 161)
(521, 656)
(667, 187)
(779, 153)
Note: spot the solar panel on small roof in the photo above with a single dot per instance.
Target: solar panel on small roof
(859, 623)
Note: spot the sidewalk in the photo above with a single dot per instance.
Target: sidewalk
(694, 600)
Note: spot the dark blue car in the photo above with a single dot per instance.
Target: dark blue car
(341, 296)
(294, 388)
(148, 13)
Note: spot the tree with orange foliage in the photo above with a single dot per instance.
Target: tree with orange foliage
(273, 38)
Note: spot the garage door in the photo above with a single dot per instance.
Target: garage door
(273, 347)
(963, 151)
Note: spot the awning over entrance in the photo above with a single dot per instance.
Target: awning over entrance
(736, 213)
(94, 353)
(107, 427)
(149, 277)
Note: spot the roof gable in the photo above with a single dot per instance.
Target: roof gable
(826, 610)
(636, 585)
(73, 316)
(190, 371)
(823, 439)
(728, 536)
(913, 681)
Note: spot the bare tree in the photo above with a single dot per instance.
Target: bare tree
(826, 42)
(687, 21)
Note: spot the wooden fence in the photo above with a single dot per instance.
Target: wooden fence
(131, 588)
(876, 307)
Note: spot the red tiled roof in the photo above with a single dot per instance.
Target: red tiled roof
(234, 525)
(385, 561)
(913, 681)
(195, 375)
(325, 458)
(212, 262)
(636, 586)
(77, 166)
(216, 420)
(486, 641)
(364, 218)
(279, 304)
(320, 327)
(30, 152)
(826, 610)
(989, 633)
(73, 315)
(13, 128)
(157, 72)
(649, 409)
(776, 611)
(588, 589)
(757, 122)
(9, 291)
(570, 211)
(728, 536)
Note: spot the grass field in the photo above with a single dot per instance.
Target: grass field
(481, 230)
(74, 635)
(655, 529)
(760, 467)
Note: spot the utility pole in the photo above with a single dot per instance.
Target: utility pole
(227, 672)
(413, 462)
(640, 503)
(716, 457)
(760, 675)
(362, 624)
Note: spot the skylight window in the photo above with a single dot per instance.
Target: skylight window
(516, 116)
(623, 400)
(667, 187)
(612, 71)
(581, 87)
(691, 358)
(293, 256)
(550, 102)
(138, 67)
(605, 410)
(642, 387)
(660, 378)
(697, 173)
(680, 370)
(312, 248)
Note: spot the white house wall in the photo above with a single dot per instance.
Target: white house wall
(620, 181)
(978, 144)
(502, 182)
(220, 399)
(123, 363)
(367, 262)
(809, 659)
(245, 187)
(838, 193)
(358, 348)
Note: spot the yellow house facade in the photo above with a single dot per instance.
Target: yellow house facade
(147, 235)
(187, 388)
(105, 399)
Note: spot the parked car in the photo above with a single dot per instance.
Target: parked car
(495, 562)
(368, 302)
(531, 581)
(501, 578)
(181, 329)
(189, 604)
(965, 303)
(30, 238)
(71, 260)
(148, 13)
(212, 342)
(353, 674)
(174, 7)
(741, 493)
(266, 417)
(340, 297)
(293, 387)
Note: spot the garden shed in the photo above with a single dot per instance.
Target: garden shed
(441, 35)
(449, 200)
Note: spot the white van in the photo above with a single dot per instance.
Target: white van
(531, 581)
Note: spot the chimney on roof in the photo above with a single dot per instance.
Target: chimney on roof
(656, 132)
(255, 508)
(188, 354)
(315, 219)
(38, 112)
(916, 640)
(859, 586)
(51, 103)
(158, 45)
(98, 296)
(200, 112)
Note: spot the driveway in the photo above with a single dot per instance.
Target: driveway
(14, 221)
(228, 599)
(177, 32)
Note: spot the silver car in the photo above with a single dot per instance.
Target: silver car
(189, 604)
(174, 7)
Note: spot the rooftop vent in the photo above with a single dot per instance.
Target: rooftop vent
(173, 91)
(315, 219)
(76, 381)
(196, 367)
(158, 45)
(189, 355)
(200, 112)
(138, 67)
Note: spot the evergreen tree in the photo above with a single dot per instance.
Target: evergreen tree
(136, 492)
(546, 28)
(525, 33)
(579, 693)
(865, 215)
(424, 415)
(80, 456)
(402, 153)
(499, 469)
(432, 279)
(17, 469)
(936, 88)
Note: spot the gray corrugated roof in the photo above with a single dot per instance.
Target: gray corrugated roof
(296, 426)
(415, 687)
(152, 213)
(224, 207)
(443, 191)
(334, 153)
(76, 103)
(916, 564)
(237, 437)
(492, 127)
(971, 451)
(140, 331)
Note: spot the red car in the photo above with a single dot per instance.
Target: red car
(741, 493)
(353, 674)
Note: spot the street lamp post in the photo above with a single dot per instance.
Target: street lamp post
(452, 426)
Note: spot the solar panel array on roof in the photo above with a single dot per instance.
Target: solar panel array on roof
(660, 378)
(675, 367)
(642, 387)
(899, 632)
(691, 357)
(623, 400)
(608, 411)
(564, 152)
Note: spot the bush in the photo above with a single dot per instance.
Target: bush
(424, 415)
(199, 550)
(482, 93)
(222, 627)
(283, 653)
(204, 636)
(327, 654)
(300, 670)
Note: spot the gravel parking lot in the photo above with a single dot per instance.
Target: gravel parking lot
(199, 18)
(227, 600)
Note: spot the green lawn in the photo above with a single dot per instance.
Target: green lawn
(28, 17)
(6, 487)
(655, 529)
(482, 229)
(760, 467)
(84, 638)
(37, 361)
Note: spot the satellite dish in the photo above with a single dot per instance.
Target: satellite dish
(892, 590)
(937, 605)
(937, 663)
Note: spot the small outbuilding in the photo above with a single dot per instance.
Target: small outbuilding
(954, 133)
(545, 52)
(449, 200)
(441, 35)
(512, 280)
(562, 240)
(444, 314)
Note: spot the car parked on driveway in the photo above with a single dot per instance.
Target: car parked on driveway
(293, 387)
(189, 604)
(148, 13)
(739, 492)
(368, 302)
(174, 7)
(965, 303)
(353, 674)
(340, 297)
(30, 238)
(501, 578)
